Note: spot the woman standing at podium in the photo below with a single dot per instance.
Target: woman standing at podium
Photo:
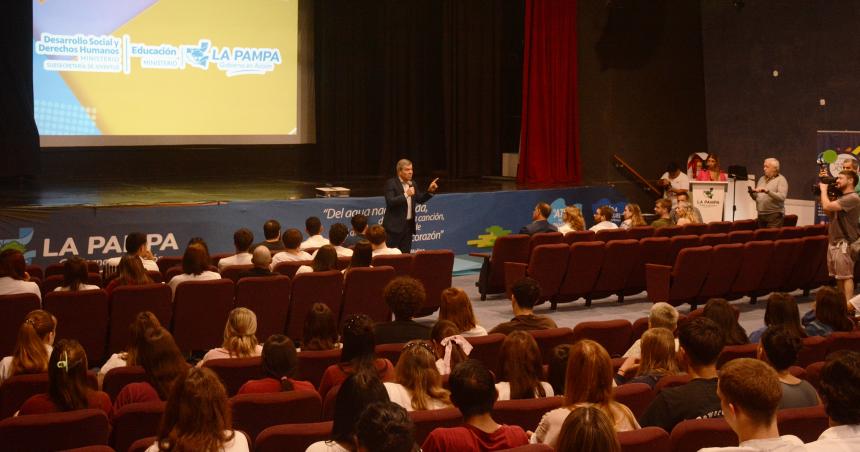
(711, 171)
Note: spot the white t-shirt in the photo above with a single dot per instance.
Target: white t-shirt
(6, 364)
(341, 252)
(11, 286)
(222, 353)
(504, 389)
(239, 443)
(326, 446)
(678, 183)
(842, 438)
(565, 228)
(148, 265)
(398, 394)
(80, 288)
(305, 269)
(236, 259)
(783, 443)
(284, 256)
(314, 241)
(478, 330)
(603, 225)
(385, 251)
(179, 279)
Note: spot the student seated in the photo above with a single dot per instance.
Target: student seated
(781, 311)
(137, 335)
(376, 236)
(320, 329)
(240, 340)
(829, 314)
(195, 264)
(657, 360)
(325, 259)
(162, 363)
(451, 348)
(33, 347)
(840, 391)
(75, 276)
(720, 311)
(457, 308)
(14, 278)
(521, 369)
(292, 251)
(524, 295)
(242, 240)
(129, 272)
(661, 315)
(779, 347)
(279, 361)
(385, 427)
(417, 384)
(314, 228)
(588, 429)
(404, 296)
(358, 353)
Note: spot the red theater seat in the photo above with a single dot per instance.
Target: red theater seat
(732, 352)
(547, 264)
(234, 372)
(289, 268)
(127, 301)
(135, 421)
(291, 437)
(719, 227)
(55, 431)
(549, 339)
(428, 420)
(118, 377)
(683, 282)
(754, 262)
(13, 309)
(526, 413)
(740, 236)
(744, 225)
(509, 248)
(611, 234)
(668, 231)
(640, 232)
(805, 423)
(713, 239)
(308, 289)
(269, 298)
(81, 315)
(620, 260)
(486, 349)
(783, 259)
(725, 265)
(695, 434)
(583, 268)
(680, 242)
(253, 413)
(434, 270)
(401, 263)
(200, 311)
(613, 335)
(636, 396)
(579, 236)
(544, 238)
(362, 293)
(312, 364)
(232, 272)
(695, 229)
(646, 439)
(766, 234)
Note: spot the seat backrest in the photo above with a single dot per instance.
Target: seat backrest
(636, 396)
(127, 301)
(310, 288)
(434, 270)
(689, 273)
(234, 372)
(579, 236)
(526, 413)
(200, 311)
(232, 272)
(155, 276)
(13, 309)
(172, 272)
(362, 293)
(719, 227)
(289, 268)
(814, 349)
(428, 420)
(805, 423)
(292, 436)
(731, 352)
(390, 352)
(118, 377)
(740, 236)
(329, 403)
(401, 263)
(754, 262)
(17, 389)
(813, 374)
(54, 270)
(624, 256)
(312, 364)
(813, 253)
(549, 339)
(50, 283)
(815, 229)
(744, 225)
(692, 435)
(640, 325)
(611, 234)
(766, 234)
(789, 220)
(509, 248)
(547, 265)
(645, 439)
(725, 264)
(269, 298)
(134, 421)
(694, 229)
(253, 413)
(713, 239)
(670, 381)
(613, 335)
(167, 262)
(583, 267)
(668, 231)
(544, 238)
(680, 242)
(81, 315)
(656, 250)
(55, 431)
(35, 271)
(790, 232)
(640, 232)
(782, 261)
(486, 349)
(841, 340)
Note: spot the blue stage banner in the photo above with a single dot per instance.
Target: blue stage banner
(834, 147)
(462, 222)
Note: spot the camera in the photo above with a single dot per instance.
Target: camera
(832, 191)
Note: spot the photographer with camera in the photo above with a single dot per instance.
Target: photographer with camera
(844, 213)
(769, 195)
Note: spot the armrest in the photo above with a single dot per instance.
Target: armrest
(657, 280)
(482, 255)
(514, 271)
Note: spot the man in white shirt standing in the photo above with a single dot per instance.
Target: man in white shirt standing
(376, 236)
(135, 245)
(313, 226)
(840, 391)
(293, 252)
(242, 240)
(603, 219)
(674, 181)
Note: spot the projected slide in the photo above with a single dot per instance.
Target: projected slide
(177, 71)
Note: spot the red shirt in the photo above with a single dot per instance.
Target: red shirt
(135, 393)
(337, 373)
(469, 438)
(42, 403)
(267, 385)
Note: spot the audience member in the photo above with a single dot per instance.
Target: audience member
(449, 346)
(137, 335)
(417, 384)
(161, 361)
(723, 314)
(262, 261)
(357, 354)
(603, 219)
(314, 228)
(662, 207)
(457, 308)
(749, 395)
(136, 245)
(829, 314)
(701, 343)
(711, 170)
(404, 296)
(240, 337)
(524, 295)
(75, 276)
(684, 214)
(376, 236)
(292, 251)
(694, 211)
(67, 384)
(320, 329)
(362, 255)
(195, 267)
(779, 347)
(539, 220)
(336, 235)
(840, 391)
(385, 427)
(781, 310)
(632, 217)
(573, 220)
(657, 359)
(197, 417)
(661, 315)
(242, 240)
(129, 272)
(200, 241)
(521, 368)
(279, 361)
(14, 278)
(674, 181)
(589, 382)
(359, 228)
(472, 392)
(356, 393)
(272, 235)
(588, 429)
(325, 259)
(33, 346)
(557, 368)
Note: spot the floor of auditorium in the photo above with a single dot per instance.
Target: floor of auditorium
(497, 309)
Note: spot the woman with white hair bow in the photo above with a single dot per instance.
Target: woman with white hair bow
(451, 348)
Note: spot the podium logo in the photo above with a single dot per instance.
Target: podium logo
(709, 193)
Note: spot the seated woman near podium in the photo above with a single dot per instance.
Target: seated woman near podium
(711, 170)
(684, 214)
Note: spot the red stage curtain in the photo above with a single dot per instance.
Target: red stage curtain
(549, 147)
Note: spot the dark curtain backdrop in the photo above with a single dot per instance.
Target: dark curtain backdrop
(19, 140)
(427, 80)
(549, 150)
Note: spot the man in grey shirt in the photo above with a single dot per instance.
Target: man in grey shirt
(769, 195)
(844, 213)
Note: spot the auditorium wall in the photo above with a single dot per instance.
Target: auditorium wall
(754, 112)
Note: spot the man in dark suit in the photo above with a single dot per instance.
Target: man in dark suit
(539, 224)
(400, 199)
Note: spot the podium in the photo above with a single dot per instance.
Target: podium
(709, 198)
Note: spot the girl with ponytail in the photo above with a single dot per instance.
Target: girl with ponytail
(33, 348)
(279, 361)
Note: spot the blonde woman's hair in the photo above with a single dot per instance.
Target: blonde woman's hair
(636, 218)
(240, 338)
(416, 371)
(658, 353)
(573, 216)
